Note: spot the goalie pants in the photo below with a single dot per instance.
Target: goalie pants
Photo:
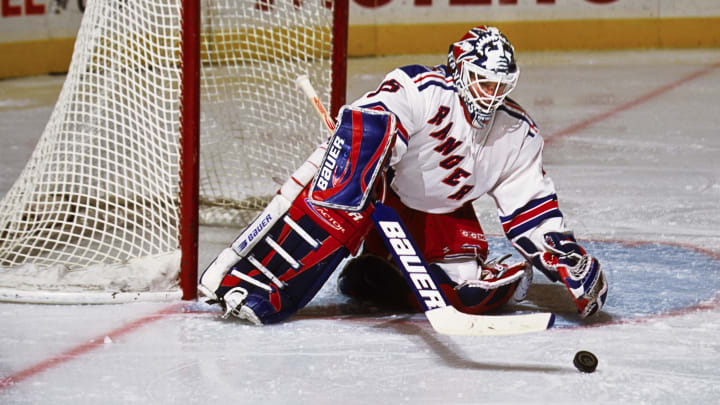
(440, 237)
(454, 235)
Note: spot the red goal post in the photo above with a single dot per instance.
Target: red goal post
(173, 113)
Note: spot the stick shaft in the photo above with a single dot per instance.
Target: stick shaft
(304, 82)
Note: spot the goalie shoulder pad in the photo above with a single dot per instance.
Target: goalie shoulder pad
(355, 157)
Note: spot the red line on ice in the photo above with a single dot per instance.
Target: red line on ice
(81, 349)
(630, 104)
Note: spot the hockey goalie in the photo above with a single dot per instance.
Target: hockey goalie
(427, 143)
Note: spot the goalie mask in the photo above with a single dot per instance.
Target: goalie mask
(484, 71)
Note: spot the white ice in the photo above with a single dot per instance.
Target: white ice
(633, 148)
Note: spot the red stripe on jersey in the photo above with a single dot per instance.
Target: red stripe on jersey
(433, 75)
(517, 108)
(403, 132)
(528, 215)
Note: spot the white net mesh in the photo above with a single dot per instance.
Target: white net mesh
(96, 208)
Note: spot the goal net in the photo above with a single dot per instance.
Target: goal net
(95, 216)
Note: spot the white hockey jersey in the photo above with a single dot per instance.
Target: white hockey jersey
(441, 162)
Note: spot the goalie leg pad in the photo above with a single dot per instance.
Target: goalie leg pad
(289, 261)
(264, 287)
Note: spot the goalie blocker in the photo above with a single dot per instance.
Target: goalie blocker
(282, 259)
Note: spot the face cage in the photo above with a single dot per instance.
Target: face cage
(482, 102)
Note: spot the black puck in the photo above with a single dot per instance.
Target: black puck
(585, 361)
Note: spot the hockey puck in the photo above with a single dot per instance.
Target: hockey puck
(585, 361)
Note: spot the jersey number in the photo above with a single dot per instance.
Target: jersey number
(390, 86)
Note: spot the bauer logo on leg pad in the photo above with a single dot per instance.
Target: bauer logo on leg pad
(255, 229)
(354, 158)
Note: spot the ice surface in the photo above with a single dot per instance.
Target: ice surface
(633, 149)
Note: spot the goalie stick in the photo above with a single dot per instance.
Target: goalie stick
(443, 317)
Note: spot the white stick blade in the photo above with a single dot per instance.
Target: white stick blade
(449, 321)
